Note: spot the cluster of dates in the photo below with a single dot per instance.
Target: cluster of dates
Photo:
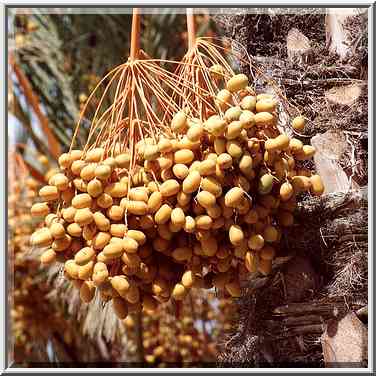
(200, 207)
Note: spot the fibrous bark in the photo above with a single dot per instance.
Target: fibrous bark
(283, 318)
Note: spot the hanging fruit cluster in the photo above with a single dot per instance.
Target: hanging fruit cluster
(176, 341)
(180, 333)
(196, 207)
(19, 219)
(27, 320)
(20, 227)
(23, 188)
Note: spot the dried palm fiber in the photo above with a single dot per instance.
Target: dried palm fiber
(338, 223)
(303, 83)
(94, 323)
(298, 47)
(271, 26)
(97, 322)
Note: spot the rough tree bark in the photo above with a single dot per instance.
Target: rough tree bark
(319, 62)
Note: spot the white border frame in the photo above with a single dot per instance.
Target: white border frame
(218, 3)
